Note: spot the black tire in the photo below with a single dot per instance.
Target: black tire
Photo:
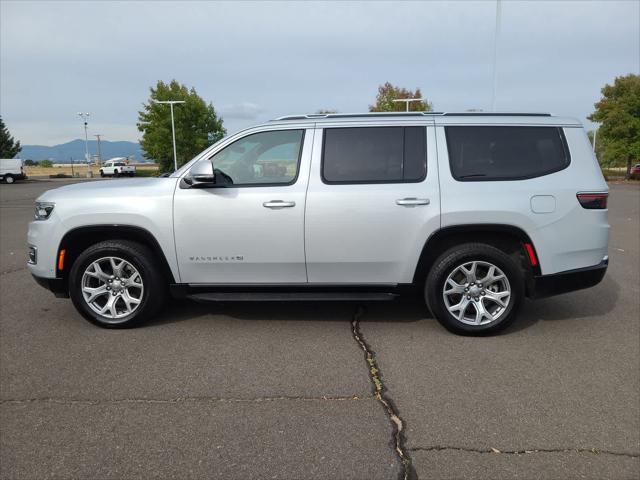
(448, 262)
(116, 173)
(138, 255)
(9, 179)
(101, 173)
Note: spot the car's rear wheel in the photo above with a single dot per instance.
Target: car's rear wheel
(475, 289)
(116, 284)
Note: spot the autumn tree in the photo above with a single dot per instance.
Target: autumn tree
(9, 147)
(387, 93)
(618, 112)
(196, 122)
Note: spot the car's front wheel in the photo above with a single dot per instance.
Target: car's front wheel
(475, 289)
(9, 179)
(116, 284)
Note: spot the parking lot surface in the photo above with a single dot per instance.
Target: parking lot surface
(284, 390)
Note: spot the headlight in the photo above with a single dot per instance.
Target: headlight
(43, 210)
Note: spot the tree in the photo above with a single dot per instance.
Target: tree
(30, 163)
(387, 93)
(196, 122)
(618, 111)
(9, 147)
(46, 163)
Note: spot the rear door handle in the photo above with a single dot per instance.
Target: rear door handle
(410, 202)
(278, 204)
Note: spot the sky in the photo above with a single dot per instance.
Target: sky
(258, 61)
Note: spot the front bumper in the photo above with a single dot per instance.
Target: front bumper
(58, 286)
(547, 285)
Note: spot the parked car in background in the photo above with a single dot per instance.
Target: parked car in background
(475, 211)
(11, 169)
(116, 167)
(635, 172)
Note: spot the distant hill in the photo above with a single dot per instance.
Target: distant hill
(75, 150)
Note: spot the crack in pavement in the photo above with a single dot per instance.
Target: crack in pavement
(18, 269)
(595, 451)
(380, 393)
(203, 399)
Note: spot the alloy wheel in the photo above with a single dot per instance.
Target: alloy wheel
(476, 293)
(112, 287)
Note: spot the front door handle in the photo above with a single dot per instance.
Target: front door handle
(410, 202)
(278, 204)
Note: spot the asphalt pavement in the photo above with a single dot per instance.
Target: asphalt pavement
(284, 390)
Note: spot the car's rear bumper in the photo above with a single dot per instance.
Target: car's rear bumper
(57, 285)
(563, 282)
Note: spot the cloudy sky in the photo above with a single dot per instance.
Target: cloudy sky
(257, 61)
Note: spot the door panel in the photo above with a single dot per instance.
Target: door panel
(244, 235)
(369, 233)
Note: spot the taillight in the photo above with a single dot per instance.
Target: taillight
(593, 201)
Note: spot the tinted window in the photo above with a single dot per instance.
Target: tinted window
(374, 155)
(505, 153)
(262, 158)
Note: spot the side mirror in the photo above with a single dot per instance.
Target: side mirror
(201, 174)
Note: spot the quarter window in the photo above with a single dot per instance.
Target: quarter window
(270, 158)
(482, 153)
(374, 155)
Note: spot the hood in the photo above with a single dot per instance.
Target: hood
(135, 187)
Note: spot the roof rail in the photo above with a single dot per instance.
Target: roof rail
(498, 114)
(357, 115)
(407, 114)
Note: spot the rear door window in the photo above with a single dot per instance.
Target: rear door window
(374, 155)
(483, 153)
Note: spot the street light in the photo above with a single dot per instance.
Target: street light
(173, 128)
(98, 135)
(407, 101)
(495, 55)
(84, 117)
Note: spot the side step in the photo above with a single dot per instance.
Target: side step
(291, 296)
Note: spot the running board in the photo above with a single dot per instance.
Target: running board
(291, 296)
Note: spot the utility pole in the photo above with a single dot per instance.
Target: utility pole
(495, 55)
(98, 135)
(84, 117)
(173, 128)
(407, 101)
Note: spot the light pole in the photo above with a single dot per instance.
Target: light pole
(173, 128)
(407, 101)
(84, 117)
(98, 135)
(495, 55)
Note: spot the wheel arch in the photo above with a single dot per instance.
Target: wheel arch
(508, 238)
(76, 240)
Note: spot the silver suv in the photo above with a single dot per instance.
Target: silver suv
(476, 211)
